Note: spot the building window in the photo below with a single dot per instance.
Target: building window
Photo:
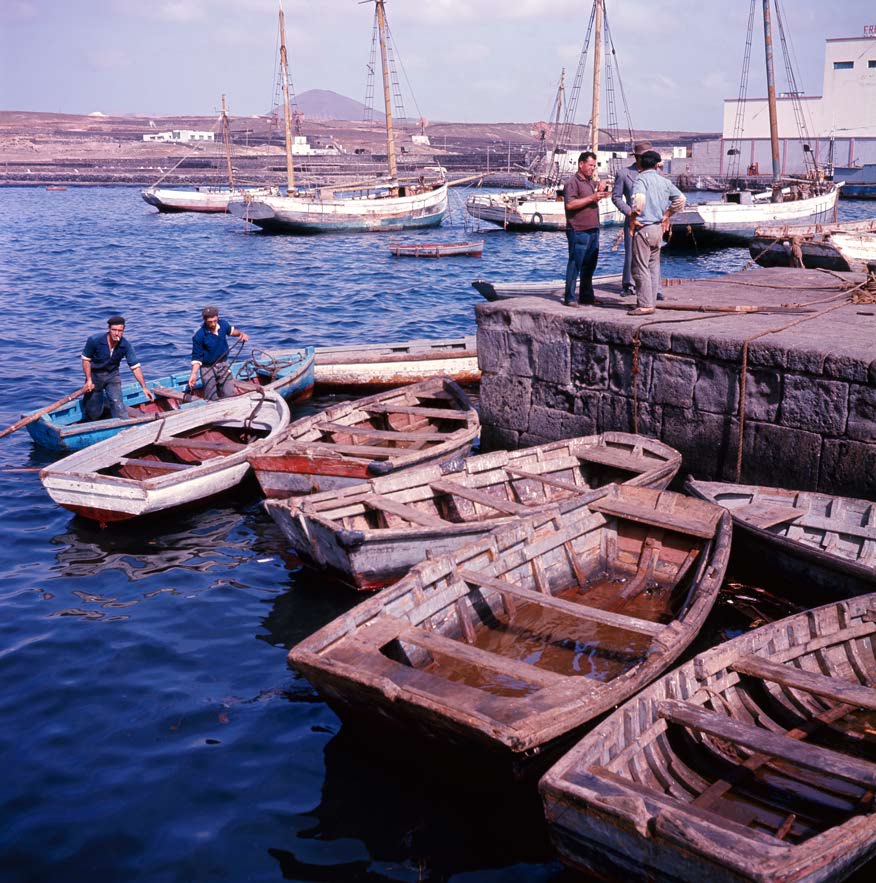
(871, 63)
(843, 65)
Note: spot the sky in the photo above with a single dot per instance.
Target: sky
(466, 60)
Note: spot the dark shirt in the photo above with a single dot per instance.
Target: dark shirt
(106, 361)
(586, 218)
(207, 347)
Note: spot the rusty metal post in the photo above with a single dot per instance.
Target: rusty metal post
(771, 89)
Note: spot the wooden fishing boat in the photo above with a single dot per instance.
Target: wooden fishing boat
(437, 249)
(824, 540)
(519, 638)
(55, 187)
(371, 534)
(849, 245)
(66, 429)
(428, 422)
(553, 289)
(190, 456)
(523, 211)
(753, 761)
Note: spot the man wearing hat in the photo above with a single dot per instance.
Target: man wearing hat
(101, 357)
(622, 197)
(210, 355)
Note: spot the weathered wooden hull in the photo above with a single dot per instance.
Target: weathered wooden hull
(552, 290)
(527, 210)
(126, 477)
(719, 771)
(824, 541)
(437, 249)
(305, 215)
(732, 222)
(491, 646)
(844, 246)
(320, 453)
(373, 533)
(208, 200)
(65, 428)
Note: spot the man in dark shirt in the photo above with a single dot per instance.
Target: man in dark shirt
(101, 357)
(581, 197)
(210, 355)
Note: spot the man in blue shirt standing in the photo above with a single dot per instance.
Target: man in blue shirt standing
(655, 199)
(210, 355)
(101, 357)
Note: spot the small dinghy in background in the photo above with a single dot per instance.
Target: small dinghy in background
(437, 249)
(756, 760)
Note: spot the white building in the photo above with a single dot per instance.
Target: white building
(180, 136)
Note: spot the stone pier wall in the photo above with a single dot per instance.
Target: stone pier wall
(551, 372)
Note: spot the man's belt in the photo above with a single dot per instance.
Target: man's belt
(220, 361)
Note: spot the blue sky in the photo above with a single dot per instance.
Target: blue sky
(467, 60)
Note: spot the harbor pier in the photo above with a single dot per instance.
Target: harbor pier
(798, 345)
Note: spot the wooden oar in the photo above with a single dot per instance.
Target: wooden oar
(37, 414)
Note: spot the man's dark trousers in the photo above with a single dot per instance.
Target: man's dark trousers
(110, 386)
(583, 255)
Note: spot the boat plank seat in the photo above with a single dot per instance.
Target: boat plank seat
(169, 393)
(134, 412)
(402, 510)
(671, 521)
(357, 450)
(580, 611)
(155, 464)
(835, 525)
(466, 653)
(607, 456)
(370, 432)
(764, 515)
(778, 746)
(856, 695)
(199, 444)
(415, 411)
(246, 385)
(549, 480)
(443, 486)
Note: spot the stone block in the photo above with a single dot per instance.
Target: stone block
(763, 394)
(621, 371)
(707, 442)
(496, 438)
(776, 455)
(862, 413)
(656, 338)
(848, 468)
(815, 404)
(717, 388)
(765, 353)
(554, 425)
(493, 349)
(846, 366)
(546, 395)
(672, 381)
(687, 344)
(552, 362)
(616, 414)
(589, 364)
(506, 400)
(614, 332)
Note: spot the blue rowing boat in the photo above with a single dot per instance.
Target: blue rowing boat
(65, 429)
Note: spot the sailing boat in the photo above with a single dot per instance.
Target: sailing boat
(389, 204)
(543, 209)
(738, 214)
(202, 199)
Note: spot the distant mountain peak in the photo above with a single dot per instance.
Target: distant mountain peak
(323, 104)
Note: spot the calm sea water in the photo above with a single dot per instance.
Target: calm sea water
(151, 729)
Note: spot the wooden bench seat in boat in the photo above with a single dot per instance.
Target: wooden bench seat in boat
(370, 432)
(856, 695)
(444, 486)
(671, 520)
(779, 746)
(354, 450)
(155, 464)
(765, 515)
(571, 608)
(402, 510)
(607, 456)
(416, 411)
(169, 393)
(197, 444)
(549, 480)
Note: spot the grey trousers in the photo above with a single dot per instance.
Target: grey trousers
(218, 381)
(628, 256)
(646, 264)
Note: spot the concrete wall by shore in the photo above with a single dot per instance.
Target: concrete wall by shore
(551, 372)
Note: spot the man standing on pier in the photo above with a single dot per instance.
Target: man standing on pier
(210, 355)
(581, 196)
(655, 199)
(101, 357)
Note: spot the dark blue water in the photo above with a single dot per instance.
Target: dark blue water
(151, 729)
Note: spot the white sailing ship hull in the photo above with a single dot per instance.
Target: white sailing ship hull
(201, 199)
(530, 210)
(300, 214)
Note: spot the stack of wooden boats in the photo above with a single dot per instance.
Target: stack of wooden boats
(753, 761)
(846, 245)
(819, 540)
(514, 641)
(373, 532)
(428, 422)
(189, 456)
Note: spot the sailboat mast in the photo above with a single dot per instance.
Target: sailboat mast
(390, 137)
(561, 91)
(284, 75)
(771, 88)
(227, 135)
(597, 70)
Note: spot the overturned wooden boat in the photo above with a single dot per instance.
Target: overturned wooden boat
(517, 639)
(437, 249)
(428, 422)
(66, 429)
(824, 540)
(190, 456)
(844, 246)
(553, 289)
(372, 533)
(753, 761)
